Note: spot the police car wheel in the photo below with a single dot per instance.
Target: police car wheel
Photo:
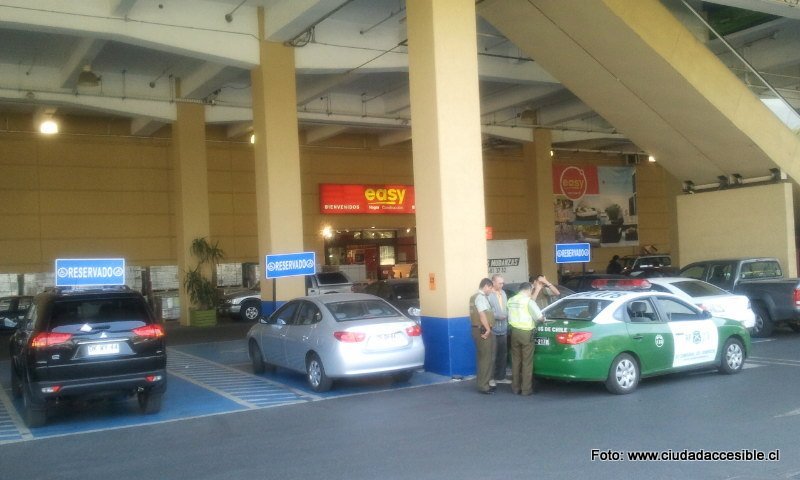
(623, 376)
(732, 357)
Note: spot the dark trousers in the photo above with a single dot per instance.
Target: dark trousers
(485, 362)
(500, 356)
(522, 361)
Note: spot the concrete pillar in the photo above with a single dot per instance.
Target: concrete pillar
(190, 174)
(277, 163)
(539, 205)
(448, 176)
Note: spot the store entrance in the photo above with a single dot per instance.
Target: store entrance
(382, 253)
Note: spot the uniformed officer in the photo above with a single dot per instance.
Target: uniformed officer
(522, 316)
(482, 319)
(499, 302)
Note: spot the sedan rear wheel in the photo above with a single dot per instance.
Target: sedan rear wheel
(732, 357)
(315, 373)
(623, 376)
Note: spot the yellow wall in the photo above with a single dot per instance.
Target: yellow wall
(753, 221)
(98, 192)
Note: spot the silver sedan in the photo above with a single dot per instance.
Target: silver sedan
(336, 336)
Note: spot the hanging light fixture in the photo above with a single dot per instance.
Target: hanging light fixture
(87, 78)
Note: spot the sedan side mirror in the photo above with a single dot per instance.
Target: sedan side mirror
(706, 314)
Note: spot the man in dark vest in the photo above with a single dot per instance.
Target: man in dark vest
(480, 314)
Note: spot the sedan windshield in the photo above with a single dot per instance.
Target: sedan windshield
(360, 310)
(576, 309)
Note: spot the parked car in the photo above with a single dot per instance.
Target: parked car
(87, 343)
(13, 309)
(632, 263)
(709, 297)
(582, 282)
(246, 304)
(337, 336)
(403, 293)
(654, 272)
(775, 300)
(619, 337)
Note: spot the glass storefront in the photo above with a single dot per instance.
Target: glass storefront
(384, 253)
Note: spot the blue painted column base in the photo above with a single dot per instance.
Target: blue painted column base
(267, 307)
(449, 348)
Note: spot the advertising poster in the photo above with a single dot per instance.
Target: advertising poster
(595, 205)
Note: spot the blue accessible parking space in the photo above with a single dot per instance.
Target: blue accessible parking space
(203, 379)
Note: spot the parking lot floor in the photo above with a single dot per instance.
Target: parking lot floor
(206, 378)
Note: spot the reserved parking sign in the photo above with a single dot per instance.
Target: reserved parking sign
(90, 272)
(291, 264)
(573, 253)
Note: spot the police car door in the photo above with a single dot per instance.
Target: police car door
(649, 333)
(695, 334)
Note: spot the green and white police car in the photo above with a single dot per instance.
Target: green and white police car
(620, 336)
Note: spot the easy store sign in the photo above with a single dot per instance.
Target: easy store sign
(90, 272)
(291, 264)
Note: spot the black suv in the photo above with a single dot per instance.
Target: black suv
(87, 343)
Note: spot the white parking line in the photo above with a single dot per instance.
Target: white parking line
(775, 361)
(12, 429)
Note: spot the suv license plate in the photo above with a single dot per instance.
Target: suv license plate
(542, 341)
(102, 349)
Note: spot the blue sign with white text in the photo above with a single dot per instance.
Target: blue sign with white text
(90, 272)
(291, 264)
(573, 253)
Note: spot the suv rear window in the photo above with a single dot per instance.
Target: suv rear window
(76, 312)
(332, 278)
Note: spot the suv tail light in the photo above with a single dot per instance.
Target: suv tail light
(796, 297)
(413, 331)
(349, 337)
(46, 339)
(573, 338)
(149, 331)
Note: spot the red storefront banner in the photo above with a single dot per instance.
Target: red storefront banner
(338, 199)
(574, 182)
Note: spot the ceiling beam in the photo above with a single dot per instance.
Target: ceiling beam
(323, 85)
(121, 8)
(393, 138)
(286, 19)
(239, 129)
(515, 97)
(84, 53)
(516, 134)
(319, 134)
(560, 136)
(144, 126)
(771, 7)
(562, 112)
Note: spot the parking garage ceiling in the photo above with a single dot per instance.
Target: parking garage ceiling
(351, 61)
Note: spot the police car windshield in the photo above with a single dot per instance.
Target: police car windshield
(576, 309)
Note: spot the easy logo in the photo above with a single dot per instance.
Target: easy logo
(573, 183)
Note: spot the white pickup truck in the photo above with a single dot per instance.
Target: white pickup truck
(246, 304)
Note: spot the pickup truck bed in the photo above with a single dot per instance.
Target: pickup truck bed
(774, 302)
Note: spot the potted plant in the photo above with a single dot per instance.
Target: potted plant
(201, 289)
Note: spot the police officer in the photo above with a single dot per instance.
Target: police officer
(482, 319)
(522, 316)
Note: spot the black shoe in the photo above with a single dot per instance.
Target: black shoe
(487, 392)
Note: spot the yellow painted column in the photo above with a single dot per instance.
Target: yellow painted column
(539, 211)
(190, 174)
(448, 176)
(277, 163)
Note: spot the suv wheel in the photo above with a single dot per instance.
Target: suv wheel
(149, 401)
(16, 385)
(33, 415)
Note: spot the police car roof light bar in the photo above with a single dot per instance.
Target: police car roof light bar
(621, 284)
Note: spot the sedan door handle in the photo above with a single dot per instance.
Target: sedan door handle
(637, 337)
